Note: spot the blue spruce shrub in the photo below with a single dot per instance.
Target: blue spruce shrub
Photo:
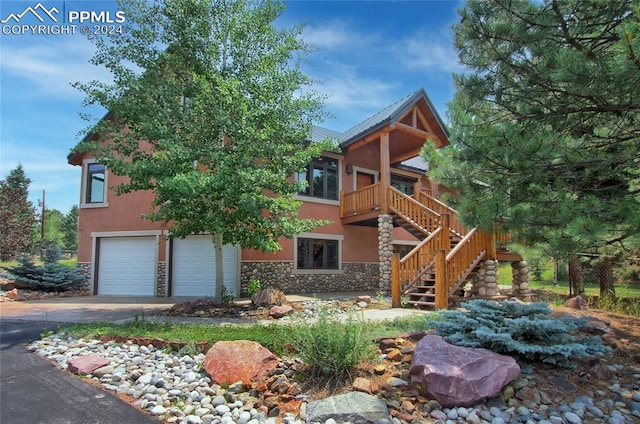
(524, 331)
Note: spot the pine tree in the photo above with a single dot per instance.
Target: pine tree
(51, 276)
(70, 229)
(546, 123)
(17, 215)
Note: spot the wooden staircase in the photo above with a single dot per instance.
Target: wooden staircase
(434, 271)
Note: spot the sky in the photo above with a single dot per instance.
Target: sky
(369, 54)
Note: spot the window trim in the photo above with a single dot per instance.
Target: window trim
(83, 194)
(317, 236)
(322, 200)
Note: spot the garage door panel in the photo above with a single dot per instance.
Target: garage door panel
(127, 266)
(193, 267)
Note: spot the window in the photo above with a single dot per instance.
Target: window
(404, 184)
(95, 183)
(322, 179)
(318, 254)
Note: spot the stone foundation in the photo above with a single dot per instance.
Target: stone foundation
(85, 268)
(161, 279)
(280, 275)
(385, 251)
(520, 282)
(485, 280)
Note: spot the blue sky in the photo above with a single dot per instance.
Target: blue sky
(370, 55)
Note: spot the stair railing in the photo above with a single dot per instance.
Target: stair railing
(413, 212)
(441, 208)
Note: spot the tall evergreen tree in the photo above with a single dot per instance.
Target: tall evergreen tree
(546, 124)
(17, 215)
(214, 89)
(70, 229)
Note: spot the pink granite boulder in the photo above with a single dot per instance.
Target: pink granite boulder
(241, 360)
(280, 311)
(86, 364)
(459, 376)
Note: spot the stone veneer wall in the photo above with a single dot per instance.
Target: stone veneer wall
(385, 251)
(520, 283)
(85, 268)
(161, 280)
(355, 276)
(485, 280)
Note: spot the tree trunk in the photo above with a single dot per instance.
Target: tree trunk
(576, 284)
(605, 276)
(217, 247)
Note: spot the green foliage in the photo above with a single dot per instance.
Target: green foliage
(545, 118)
(215, 90)
(17, 215)
(51, 276)
(331, 348)
(253, 286)
(226, 296)
(70, 229)
(525, 331)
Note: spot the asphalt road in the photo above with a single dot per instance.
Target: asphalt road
(34, 391)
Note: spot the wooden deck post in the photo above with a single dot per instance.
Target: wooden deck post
(395, 281)
(442, 301)
(446, 232)
(385, 170)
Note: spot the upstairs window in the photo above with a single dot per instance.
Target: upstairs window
(322, 179)
(95, 187)
(402, 183)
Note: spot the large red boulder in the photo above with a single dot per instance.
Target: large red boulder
(241, 360)
(86, 364)
(459, 376)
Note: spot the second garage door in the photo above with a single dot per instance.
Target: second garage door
(193, 267)
(126, 266)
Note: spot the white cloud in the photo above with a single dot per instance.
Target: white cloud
(52, 65)
(427, 50)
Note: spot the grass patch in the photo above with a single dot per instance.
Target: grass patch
(276, 338)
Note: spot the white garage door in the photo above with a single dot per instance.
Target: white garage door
(127, 266)
(194, 271)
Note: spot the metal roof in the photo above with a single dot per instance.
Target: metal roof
(387, 116)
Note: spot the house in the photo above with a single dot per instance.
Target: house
(388, 229)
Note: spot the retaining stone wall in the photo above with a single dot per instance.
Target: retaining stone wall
(355, 276)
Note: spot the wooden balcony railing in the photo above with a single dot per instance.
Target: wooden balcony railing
(360, 201)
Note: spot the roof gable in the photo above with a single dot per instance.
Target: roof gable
(391, 114)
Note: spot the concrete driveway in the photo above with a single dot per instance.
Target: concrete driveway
(87, 308)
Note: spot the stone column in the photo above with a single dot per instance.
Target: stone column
(485, 281)
(520, 282)
(385, 250)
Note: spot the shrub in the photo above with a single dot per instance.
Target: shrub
(525, 331)
(52, 276)
(227, 296)
(253, 287)
(332, 348)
